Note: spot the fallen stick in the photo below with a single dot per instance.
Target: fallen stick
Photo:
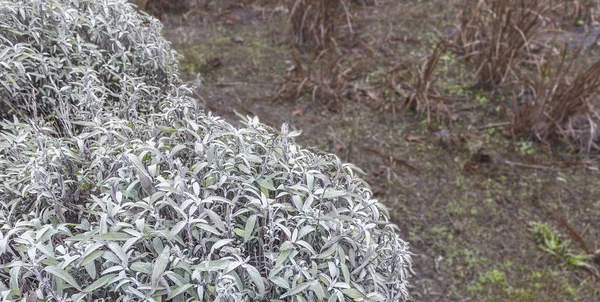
(563, 222)
(537, 167)
(495, 125)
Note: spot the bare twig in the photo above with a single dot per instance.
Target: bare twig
(313, 21)
(391, 158)
(494, 125)
(564, 223)
(536, 167)
(38, 275)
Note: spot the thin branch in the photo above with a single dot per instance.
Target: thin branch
(391, 158)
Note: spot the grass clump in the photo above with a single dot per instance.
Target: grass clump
(170, 203)
(555, 104)
(495, 35)
(551, 102)
(313, 22)
(550, 243)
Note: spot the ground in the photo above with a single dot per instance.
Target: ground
(488, 217)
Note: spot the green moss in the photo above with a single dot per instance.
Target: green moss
(546, 281)
(487, 281)
(194, 60)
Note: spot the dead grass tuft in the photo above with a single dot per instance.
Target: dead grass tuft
(326, 75)
(424, 98)
(495, 35)
(419, 93)
(313, 22)
(556, 104)
(574, 12)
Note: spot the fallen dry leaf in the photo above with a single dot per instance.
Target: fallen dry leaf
(414, 138)
(297, 111)
(378, 172)
(238, 40)
(469, 167)
(374, 95)
(231, 20)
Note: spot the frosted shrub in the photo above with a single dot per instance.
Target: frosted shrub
(173, 204)
(67, 60)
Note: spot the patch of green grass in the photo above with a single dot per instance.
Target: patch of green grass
(488, 280)
(457, 208)
(469, 257)
(549, 242)
(546, 281)
(526, 147)
(194, 61)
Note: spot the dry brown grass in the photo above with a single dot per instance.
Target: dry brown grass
(555, 104)
(424, 98)
(313, 22)
(415, 84)
(495, 35)
(577, 12)
(326, 76)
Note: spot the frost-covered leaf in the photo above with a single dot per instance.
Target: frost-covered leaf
(62, 274)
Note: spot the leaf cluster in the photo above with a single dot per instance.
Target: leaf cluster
(65, 61)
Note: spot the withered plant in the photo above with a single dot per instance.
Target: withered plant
(495, 35)
(420, 94)
(578, 12)
(313, 22)
(326, 75)
(556, 104)
(424, 97)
